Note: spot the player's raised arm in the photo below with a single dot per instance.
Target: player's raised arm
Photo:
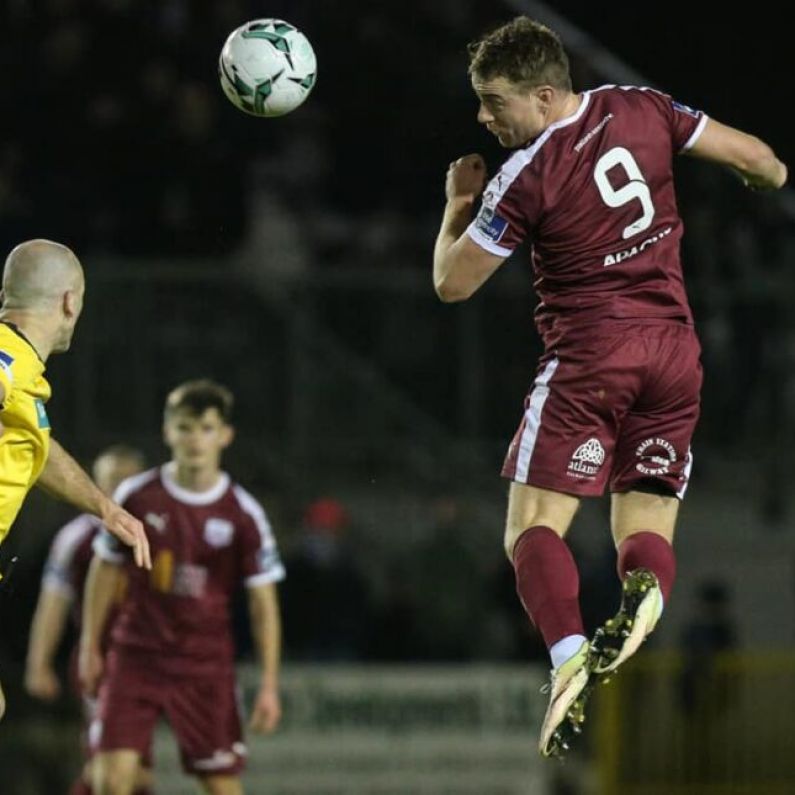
(65, 479)
(460, 266)
(747, 155)
(266, 628)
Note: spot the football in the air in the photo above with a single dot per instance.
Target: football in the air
(267, 67)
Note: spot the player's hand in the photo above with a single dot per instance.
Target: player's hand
(267, 711)
(466, 178)
(129, 531)
(89, 669)
(2, 702)
(42, 683)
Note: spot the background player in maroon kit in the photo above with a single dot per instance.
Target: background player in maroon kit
(171, 650)
(61, 594)
(616, 394)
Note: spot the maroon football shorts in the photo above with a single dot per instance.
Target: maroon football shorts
(617, 407)
(90, 707)
(202, 712)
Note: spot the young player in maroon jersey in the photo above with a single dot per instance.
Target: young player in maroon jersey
(61, 594)
(171, 650)
(616, 395)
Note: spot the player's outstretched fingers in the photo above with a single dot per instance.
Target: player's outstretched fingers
(129, 531)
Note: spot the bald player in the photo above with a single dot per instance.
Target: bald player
(42, 298)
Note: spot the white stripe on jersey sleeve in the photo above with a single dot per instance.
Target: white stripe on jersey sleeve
(270, 561)
(56, 576)
(478, 237)
(702, 123)
(108, 548)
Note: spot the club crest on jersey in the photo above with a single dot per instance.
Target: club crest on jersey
(218, 532)
(490, 224)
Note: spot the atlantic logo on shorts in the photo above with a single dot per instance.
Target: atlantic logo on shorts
(586, 460)
(656, 456)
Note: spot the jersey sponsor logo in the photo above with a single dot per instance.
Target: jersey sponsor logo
(218, 532)
(189, 580)
(656, 456)
(41, 414)
(614, 259)
(490, 224)
(685, 109)
(586, 460)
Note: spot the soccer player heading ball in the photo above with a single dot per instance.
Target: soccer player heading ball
(615, 399)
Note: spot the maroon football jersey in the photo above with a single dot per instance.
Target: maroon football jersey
(594, 197)
(204, 545)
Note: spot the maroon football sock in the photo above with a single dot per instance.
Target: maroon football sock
(548, 583)
(80, 788)
(647, 550)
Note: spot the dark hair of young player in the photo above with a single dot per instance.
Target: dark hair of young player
(196, 397)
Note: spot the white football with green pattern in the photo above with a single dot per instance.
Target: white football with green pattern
(267, 67)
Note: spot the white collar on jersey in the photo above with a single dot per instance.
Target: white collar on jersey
(192, 497)
(566, 120)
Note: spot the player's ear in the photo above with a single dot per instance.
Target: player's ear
(227, 435)
(545, 95)
(70, 303)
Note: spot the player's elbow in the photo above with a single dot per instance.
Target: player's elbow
(761, 165)
(449, 292)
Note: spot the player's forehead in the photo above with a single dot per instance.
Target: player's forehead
(495, 87)
(185, 416)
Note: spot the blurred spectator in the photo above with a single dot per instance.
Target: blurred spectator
(325, 596)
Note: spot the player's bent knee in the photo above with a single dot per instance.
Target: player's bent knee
(512, 533)
(530, 506)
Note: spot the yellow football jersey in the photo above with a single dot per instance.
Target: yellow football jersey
(25, 439)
